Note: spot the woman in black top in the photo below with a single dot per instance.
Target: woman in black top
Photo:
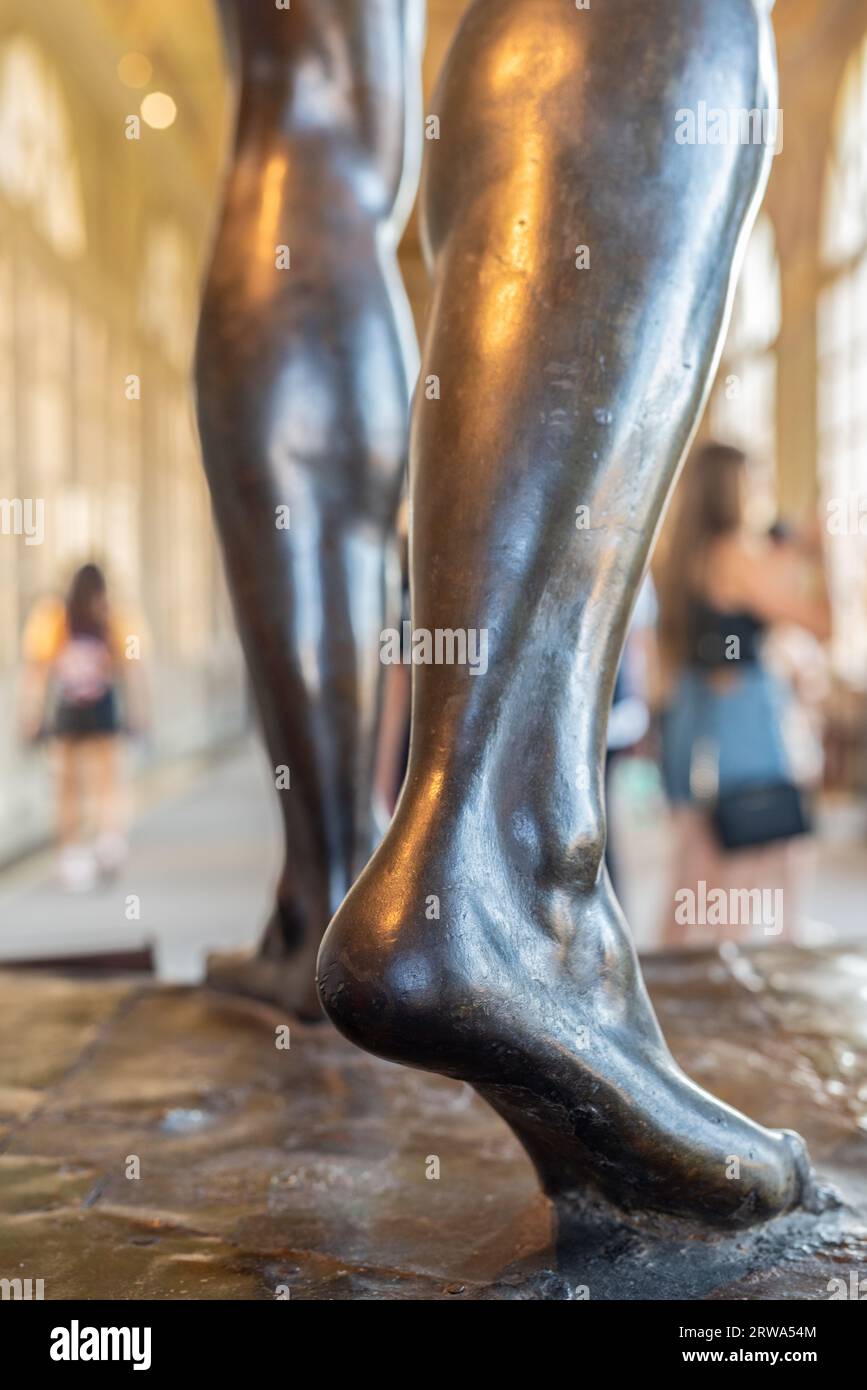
(725, 585)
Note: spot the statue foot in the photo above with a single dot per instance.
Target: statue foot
(272, 973)
(448, 959)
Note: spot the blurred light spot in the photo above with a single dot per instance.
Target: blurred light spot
(181, 1121)
(135, 70)
(158, 110)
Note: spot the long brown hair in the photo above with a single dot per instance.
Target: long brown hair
(708, 507)
(87, 603)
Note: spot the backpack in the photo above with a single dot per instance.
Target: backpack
(83, 670)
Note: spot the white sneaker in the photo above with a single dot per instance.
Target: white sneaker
(77, 869)
(111, 850)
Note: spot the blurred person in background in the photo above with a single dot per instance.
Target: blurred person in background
(76, 667)
(731, 774)
(629, 721)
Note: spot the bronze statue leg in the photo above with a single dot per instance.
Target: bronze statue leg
(483, 940)
(305, 364)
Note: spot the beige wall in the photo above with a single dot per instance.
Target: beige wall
(120, 478)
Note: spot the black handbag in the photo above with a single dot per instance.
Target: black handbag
(761, 814)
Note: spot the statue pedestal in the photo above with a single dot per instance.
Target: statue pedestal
(320, 1170)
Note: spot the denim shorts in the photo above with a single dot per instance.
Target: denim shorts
(742, 723)
(91, 720)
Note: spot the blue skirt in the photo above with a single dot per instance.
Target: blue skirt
(741, 722)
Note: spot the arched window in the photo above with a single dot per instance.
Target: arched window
(842, 371)
(39, 181)
(38, 169)
(744, 402)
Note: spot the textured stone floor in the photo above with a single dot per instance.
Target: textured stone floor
(306, 1169)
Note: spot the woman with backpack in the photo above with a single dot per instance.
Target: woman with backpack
(75, 665)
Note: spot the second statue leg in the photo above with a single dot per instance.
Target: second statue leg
(305, 365)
